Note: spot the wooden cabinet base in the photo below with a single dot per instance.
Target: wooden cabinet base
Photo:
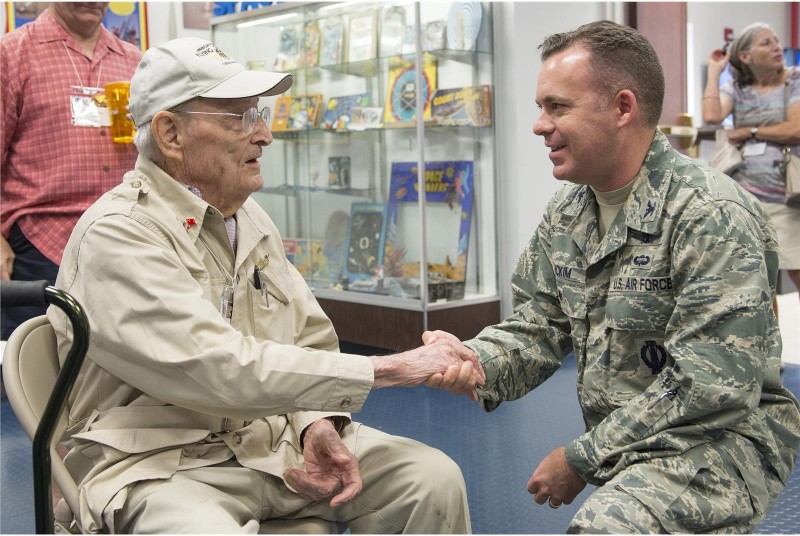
(401, 329)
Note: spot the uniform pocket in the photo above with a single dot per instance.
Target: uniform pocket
(637, 331)
(269, 302)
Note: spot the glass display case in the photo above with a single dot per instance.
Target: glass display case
(381, 91)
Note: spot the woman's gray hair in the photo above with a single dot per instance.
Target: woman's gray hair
(146, 143)
(741, 72)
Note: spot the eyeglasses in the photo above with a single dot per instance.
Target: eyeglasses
(249, 117)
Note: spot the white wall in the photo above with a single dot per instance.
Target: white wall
(524, 171)
(165, 22)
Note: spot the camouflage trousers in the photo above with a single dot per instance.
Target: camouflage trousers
(721, 487)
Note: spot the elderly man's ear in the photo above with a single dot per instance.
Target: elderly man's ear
(168, 136)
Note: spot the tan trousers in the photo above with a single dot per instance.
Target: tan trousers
(408, 487)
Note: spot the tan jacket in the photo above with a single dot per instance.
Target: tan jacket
(168, 383)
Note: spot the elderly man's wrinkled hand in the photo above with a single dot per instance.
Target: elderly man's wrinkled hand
(331, 469)
(442, 362)
(459, 379)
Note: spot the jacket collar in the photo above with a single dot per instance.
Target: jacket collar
(191, 211)
(640, 216)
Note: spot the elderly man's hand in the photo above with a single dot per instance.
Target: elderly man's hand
(454, 379)
(442, 362)
(331, 469)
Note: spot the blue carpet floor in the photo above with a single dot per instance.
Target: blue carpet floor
(497, 453)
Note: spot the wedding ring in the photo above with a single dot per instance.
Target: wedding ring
(553, 506)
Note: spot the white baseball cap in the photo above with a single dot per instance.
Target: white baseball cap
(181, 69)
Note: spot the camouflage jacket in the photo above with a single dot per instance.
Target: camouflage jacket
(669, 317)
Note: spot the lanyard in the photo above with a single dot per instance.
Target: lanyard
(226, 299)
(77, 75)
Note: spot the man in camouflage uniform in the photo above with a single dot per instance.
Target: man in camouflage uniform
(659, 274)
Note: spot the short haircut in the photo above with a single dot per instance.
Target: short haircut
(621, 58)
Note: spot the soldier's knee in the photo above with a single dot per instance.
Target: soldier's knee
(613, 513)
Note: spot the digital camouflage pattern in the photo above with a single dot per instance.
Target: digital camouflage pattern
(670, 319)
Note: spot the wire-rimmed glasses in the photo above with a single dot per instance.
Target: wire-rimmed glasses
(249, 117)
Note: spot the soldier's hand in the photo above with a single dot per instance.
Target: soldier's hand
(554, 481)
(331, 469)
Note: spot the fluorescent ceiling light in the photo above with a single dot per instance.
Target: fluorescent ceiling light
(346, 3)
(266, 20)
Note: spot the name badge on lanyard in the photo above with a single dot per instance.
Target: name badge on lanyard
(88, 106)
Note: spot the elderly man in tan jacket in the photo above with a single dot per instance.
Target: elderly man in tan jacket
(214, 396)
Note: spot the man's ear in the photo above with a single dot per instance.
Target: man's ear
(627, 107)
(167, 135)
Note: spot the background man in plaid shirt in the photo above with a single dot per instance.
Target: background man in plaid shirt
(55, 162)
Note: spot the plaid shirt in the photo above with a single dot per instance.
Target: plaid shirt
(51, 170)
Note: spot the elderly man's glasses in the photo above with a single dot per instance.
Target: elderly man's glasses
(249, 117)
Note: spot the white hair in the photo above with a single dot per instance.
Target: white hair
(146, 143)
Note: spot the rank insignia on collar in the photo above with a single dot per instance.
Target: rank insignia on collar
(649, 211)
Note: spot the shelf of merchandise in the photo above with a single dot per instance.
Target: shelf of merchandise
(298, 198)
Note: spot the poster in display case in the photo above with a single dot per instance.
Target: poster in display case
(363, 269)
(361, 38)
(448, 184)
(401, 100)
(332, 45)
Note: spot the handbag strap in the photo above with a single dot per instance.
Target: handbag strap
(786, 149)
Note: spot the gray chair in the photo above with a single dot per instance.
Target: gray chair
(30, 369)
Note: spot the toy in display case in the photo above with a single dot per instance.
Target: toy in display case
(401, 100)
(393, 25)
(280, 118)
(289, 54)
(339, 112)
(311, 43)
(410, 39)
(320, 269)
(334, 245)
(332, 45)
(297, 113)
(448, 184)
(433, 35)
(464, 25)
(338, 172)
(363, 269)
(463, 106)
(361, 38)
(366, 117)
(305, 112)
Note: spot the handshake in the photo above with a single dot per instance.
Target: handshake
(443, 361)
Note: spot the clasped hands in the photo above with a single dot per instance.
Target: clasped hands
(331, 470)
(443, 361)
